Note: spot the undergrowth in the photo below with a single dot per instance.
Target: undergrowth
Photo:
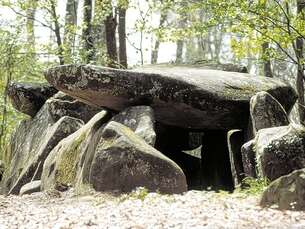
(252, 186)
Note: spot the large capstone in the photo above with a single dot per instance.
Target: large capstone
(180, 96)
(28, 98)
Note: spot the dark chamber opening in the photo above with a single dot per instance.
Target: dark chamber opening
(203, 156)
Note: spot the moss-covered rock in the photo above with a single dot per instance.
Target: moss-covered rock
(30, 145)
(63, 166)
(279, 150)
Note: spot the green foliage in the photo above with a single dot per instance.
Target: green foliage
(252, 186)
(140, 193)
(17, 62)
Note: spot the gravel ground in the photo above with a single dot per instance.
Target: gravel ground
(194, 209)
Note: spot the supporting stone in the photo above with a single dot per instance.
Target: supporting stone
(248, 159)
(235, 140)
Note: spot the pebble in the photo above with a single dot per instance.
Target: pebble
(193, 209)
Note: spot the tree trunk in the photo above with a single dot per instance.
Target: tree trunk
(301, 67)
(122, 37)
(70, 25)
(60, 52)
(30, 19)
(155, 51)
(179, 51)
(110, 27)
(267, 62)
(180, 43)
(87, 32)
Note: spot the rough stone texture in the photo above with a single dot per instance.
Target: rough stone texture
(186, 97)
(228, 67)
(287, 192)
(141, 120)
(266, 112)
(216, 168)
(29, 188)
(248, 159)
(2, 168)
(280, 150)
(63, 105)
(31, 143)
(235, 139)
(28, 98)
(123, 161)
(62, 168)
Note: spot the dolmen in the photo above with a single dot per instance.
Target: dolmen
(165, 128)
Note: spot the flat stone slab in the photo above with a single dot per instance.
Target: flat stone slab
(180, 96)
(28, 98)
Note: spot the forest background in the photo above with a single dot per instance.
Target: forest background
(266, 36)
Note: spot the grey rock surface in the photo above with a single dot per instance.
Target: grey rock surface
(29, 188)
(181, 96)
(69, 162)
(249, 158)
(280, 150)
(235, 139)
(63, 105)
(286, 192)
(266, 112)
(28, 98)
(30, 144)
(141, 120)
(123, 161)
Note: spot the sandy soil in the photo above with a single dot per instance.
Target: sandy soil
(193, 209)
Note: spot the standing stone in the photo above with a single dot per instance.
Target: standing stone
(30, 165)
(29, 188)
(28, 98)
(280, 150)
(141, 120)
(287, 192)
(235, 140)
(123, 161)
(30, 145)
(249, 159)
(62, 168)
(266, 112)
